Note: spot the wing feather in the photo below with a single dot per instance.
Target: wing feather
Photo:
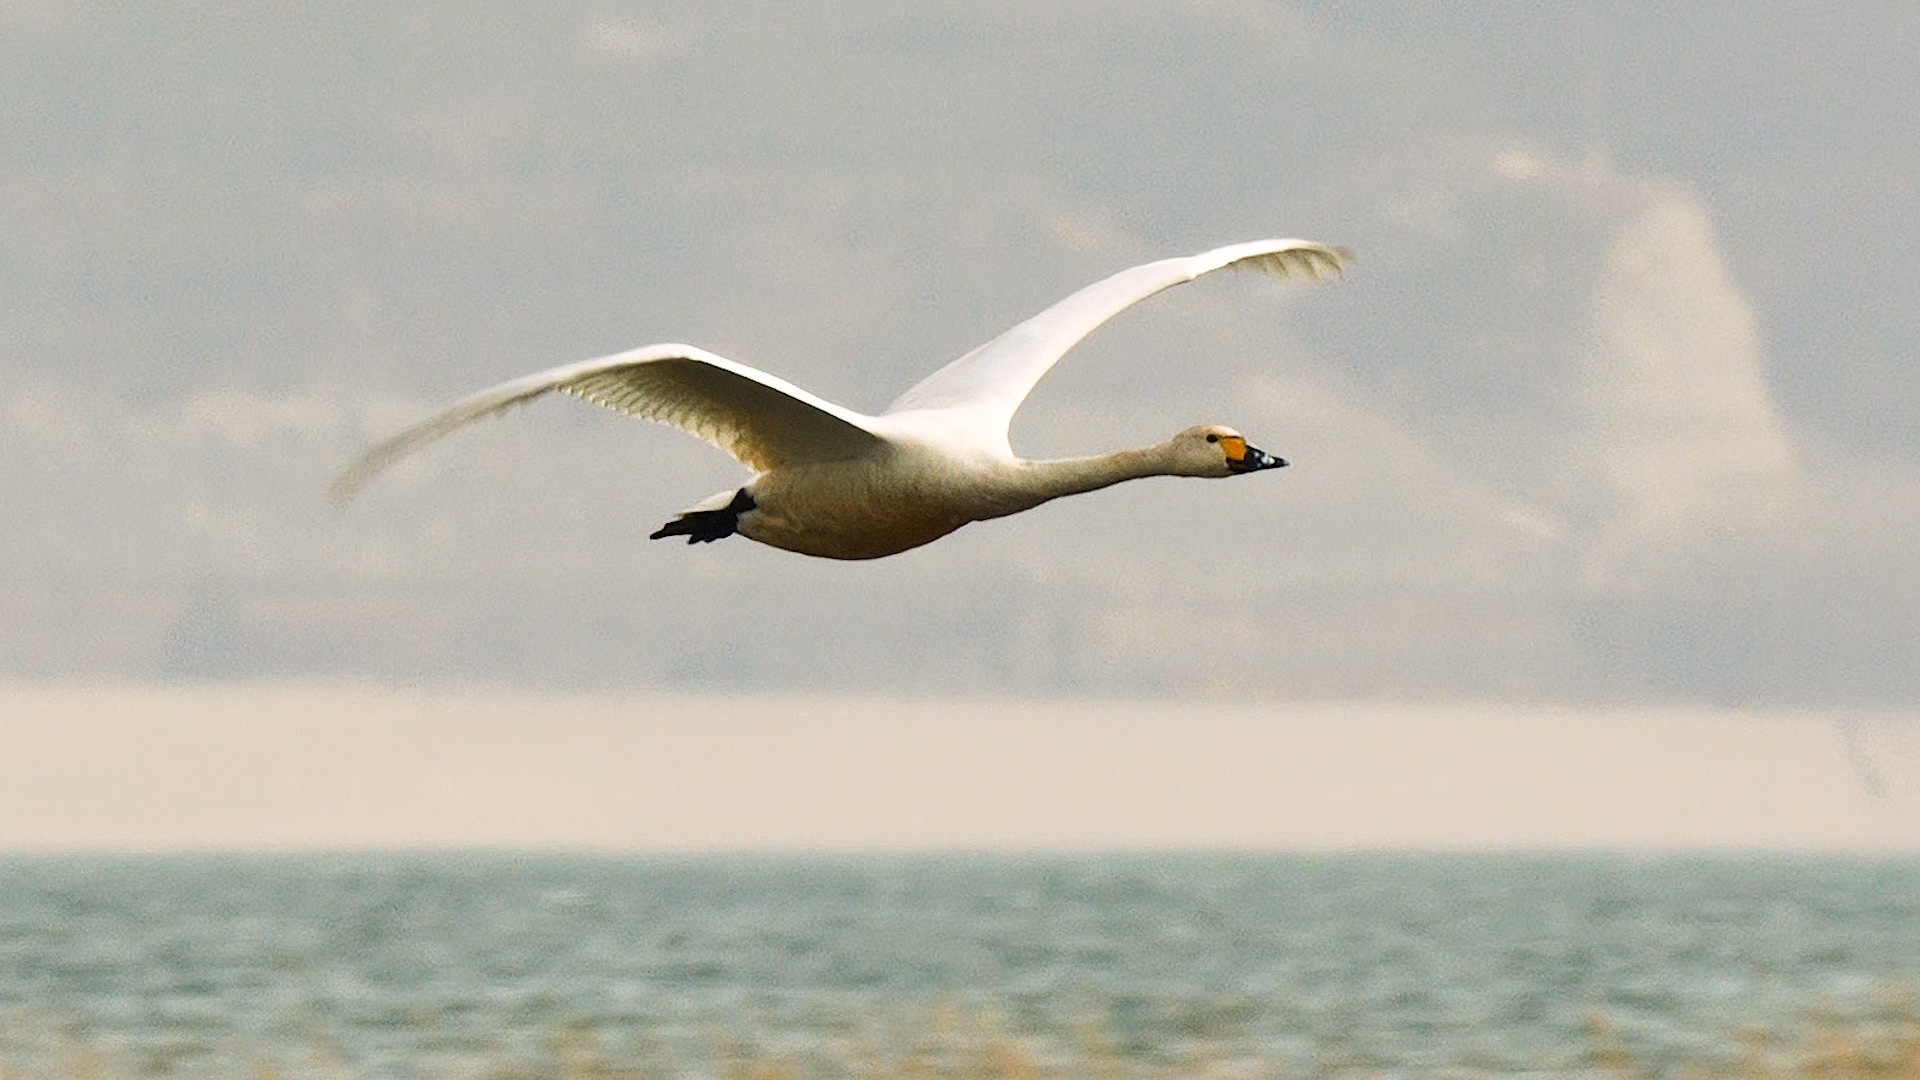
(763, 421)
(996, 377)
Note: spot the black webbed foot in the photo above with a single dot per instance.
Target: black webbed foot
(706, 526)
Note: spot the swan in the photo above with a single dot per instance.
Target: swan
(839, 484)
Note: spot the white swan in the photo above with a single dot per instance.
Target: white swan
(835, 483)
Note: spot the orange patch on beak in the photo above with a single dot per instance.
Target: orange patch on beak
(1235, 448)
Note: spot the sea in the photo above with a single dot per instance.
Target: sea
(951, 965)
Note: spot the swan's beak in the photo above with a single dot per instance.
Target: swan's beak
(1253, 459)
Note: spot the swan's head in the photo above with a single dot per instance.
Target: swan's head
(1212, 450)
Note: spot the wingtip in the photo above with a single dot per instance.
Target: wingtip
(341, 492)
(350, 481)
(1305, 258)
(1328, 260)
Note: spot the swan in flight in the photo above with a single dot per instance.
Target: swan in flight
(843, 485)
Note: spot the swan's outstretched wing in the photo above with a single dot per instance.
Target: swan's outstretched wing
(763, 421)
(996, 377)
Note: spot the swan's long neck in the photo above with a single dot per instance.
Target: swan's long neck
(1041, 481)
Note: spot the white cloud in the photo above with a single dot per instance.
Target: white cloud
(1684, 423)
(1620, 369)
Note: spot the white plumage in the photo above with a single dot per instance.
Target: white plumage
(836, 483)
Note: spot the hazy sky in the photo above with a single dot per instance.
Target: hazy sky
(291, 767)
(1619, 405)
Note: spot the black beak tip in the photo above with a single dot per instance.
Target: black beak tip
(1256, 460)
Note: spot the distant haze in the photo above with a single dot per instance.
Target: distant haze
(289, 767)
(1619, 404)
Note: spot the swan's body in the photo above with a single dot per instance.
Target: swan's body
(839, 484)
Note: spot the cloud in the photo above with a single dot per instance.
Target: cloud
(1593, 355)
(1684, 424)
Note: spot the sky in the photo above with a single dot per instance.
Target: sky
(1617, 407)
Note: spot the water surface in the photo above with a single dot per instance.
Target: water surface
(439, 965)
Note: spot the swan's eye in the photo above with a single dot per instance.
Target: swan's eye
(1213, 438)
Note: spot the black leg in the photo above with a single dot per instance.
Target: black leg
(706, 526)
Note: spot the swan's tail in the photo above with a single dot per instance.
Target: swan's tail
(706, 526)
